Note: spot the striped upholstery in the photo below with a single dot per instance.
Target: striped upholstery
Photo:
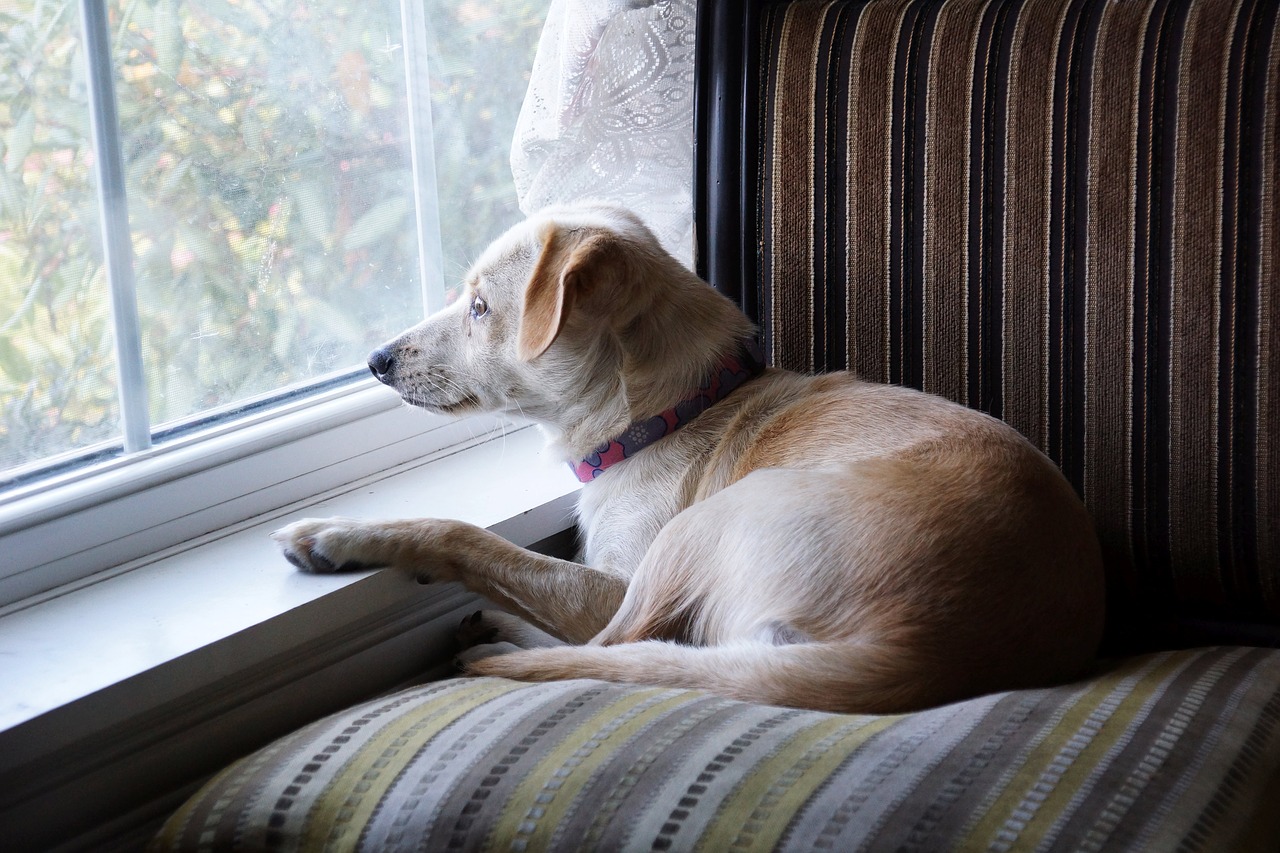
(1165, 750)
(1061, 212)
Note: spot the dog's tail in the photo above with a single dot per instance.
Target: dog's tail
(849, 677)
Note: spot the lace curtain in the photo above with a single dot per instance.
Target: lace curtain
(609, 113)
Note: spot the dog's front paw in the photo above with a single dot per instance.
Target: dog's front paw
(326, 545)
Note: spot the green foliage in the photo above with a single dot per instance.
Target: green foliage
(269, 180)
(481, 54)
(57, 382)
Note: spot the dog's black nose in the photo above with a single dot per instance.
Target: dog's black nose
(381, 363)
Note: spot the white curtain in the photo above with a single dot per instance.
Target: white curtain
(609, 113)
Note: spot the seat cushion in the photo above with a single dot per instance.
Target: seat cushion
(1152, 752)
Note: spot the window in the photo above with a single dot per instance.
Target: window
(210, 211)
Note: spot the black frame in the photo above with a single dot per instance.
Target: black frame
(726, 167)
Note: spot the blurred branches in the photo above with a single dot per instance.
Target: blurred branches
(270, 194)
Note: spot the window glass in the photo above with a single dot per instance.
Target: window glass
(481, 54)
(271, 190)
(57, 374)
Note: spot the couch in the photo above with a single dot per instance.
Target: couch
(1061, 212)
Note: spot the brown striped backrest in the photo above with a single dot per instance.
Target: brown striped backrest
(1061, 212)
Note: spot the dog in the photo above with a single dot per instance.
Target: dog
(808, 541)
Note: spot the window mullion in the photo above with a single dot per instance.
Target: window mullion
(423, 154)
(117, 243)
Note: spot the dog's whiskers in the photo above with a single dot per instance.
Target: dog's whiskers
(442, 384)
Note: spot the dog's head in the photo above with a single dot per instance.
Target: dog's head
(550, 318)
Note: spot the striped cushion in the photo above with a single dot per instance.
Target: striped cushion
(1062, 212)
(1162, 750)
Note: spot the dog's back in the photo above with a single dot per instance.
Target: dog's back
(850, 547)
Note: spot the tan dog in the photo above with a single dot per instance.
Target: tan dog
(818, 542)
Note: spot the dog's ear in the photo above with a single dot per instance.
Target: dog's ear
(570, 263)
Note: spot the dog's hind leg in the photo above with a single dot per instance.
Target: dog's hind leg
(845, 676)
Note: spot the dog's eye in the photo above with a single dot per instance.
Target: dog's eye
(479, 307)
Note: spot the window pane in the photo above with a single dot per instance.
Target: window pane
(481, 54)
(267, 158)
(270, 191)
(57, 373)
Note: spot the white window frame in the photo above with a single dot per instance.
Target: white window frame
(72, 530)
(68, 530)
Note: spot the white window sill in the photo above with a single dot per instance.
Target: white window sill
(70, 646)
(175, 635)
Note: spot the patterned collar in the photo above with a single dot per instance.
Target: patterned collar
(732, 372)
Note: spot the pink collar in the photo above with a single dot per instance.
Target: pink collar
(728, 375)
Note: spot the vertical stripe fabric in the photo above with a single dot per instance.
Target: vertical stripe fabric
(1063, 213)
(1179, 750)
